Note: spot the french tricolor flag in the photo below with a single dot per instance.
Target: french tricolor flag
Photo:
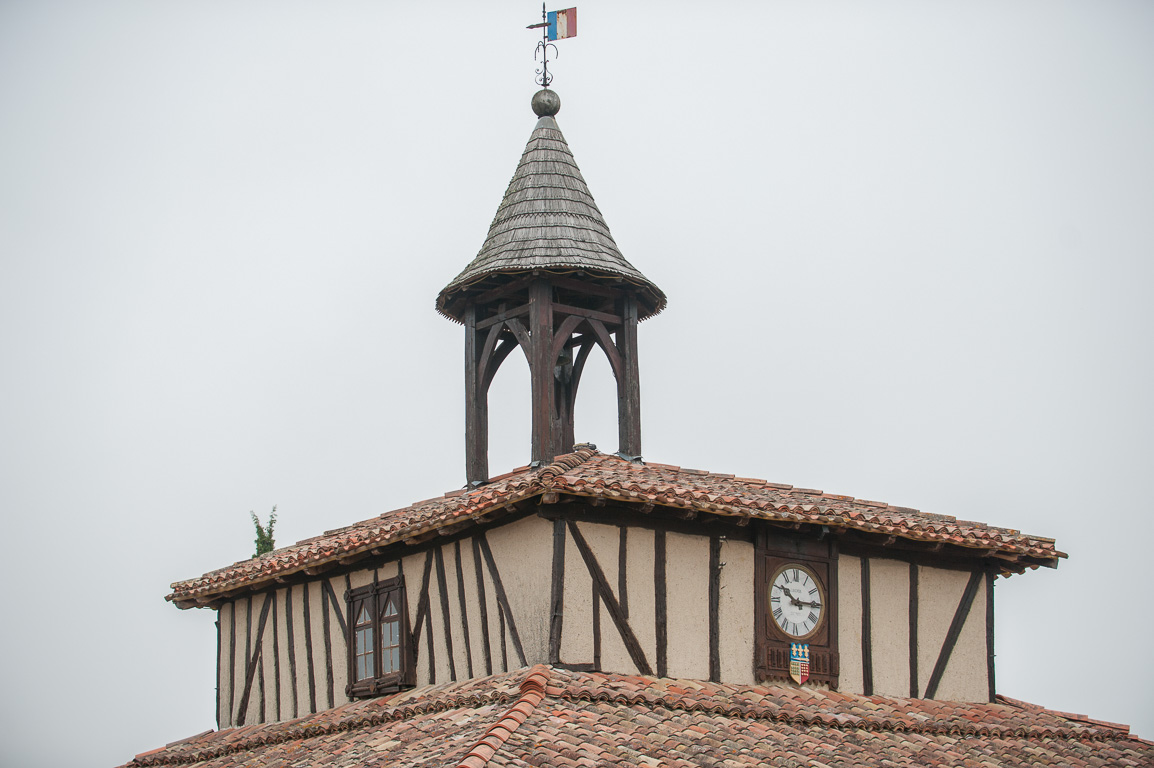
(562, 24)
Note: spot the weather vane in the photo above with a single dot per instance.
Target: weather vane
(555, 25)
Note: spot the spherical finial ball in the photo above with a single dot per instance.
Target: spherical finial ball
(546, 103)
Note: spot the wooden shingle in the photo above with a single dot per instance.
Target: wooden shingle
(548, 221)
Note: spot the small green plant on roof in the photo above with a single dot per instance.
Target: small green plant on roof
(264, 541)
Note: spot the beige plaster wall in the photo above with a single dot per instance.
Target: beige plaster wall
(317, 634)
(577, 630)
(274, 669)
(736, 611)
(360, 579)
(253, 712)
(437, 617)
(890, 626)
(414, 568)
(523, 552)
(939, 593)
(461, 660)
(639, 585)
(339, 641)
(849, 637)
(264, 688)
(301, 652)
(501, 651)
(473, 650)
(577, 636)
(241, 657)
(282, 648)
(687, 602)
(605, 541)
(226, 615)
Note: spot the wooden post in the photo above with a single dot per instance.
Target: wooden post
(544, 444)
(990, 575)
(565, 398)
(476, 406)
(629, 384)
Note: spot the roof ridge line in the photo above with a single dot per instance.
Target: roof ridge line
(564, 463)
(532, 693)
(857, 722)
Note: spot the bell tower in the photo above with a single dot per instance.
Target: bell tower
(549, 280)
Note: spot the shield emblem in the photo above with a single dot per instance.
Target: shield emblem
(799, 662)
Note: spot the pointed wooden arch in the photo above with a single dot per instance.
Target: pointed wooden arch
(556, 339)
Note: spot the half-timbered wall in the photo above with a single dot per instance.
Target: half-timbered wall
(914, 630)
(476, 607)
(633, 599)
(640, 600)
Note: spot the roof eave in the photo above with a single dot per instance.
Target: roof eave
(653, 299)
(1009, 559)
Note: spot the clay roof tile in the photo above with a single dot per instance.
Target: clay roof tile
(587, 472)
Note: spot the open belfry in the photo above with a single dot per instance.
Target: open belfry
(593, 608)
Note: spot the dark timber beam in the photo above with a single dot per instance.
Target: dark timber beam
(446, 621)
(422, 618)
(326, 606)
(557, 593)
(715, 608)
(312, 678)
(913, 640)
(867, 655)
(476, 406)
(990, 633)
(544, 448)
(463, 606)
(292, 654)
(661, 628)
(501, 317)
(629, 383)
(483, 603)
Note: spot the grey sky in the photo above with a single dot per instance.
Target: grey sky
(907, 248)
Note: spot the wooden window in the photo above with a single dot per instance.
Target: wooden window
(380, 646)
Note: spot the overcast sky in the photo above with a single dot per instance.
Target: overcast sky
(907, 248)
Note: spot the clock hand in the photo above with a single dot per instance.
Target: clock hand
(793, 599)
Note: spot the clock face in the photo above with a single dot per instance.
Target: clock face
(796, 601)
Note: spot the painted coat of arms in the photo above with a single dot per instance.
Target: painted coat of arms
(799, 662)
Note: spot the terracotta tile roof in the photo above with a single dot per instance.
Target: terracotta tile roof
(547, 716)
(588, 473)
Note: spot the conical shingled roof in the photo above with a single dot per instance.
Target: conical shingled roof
(549, 221)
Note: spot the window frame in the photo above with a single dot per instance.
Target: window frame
(377, 596)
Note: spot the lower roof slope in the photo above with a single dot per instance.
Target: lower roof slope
(549, 716)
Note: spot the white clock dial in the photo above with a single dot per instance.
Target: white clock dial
(796, 601)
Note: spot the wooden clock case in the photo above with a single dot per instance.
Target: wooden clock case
(773, 549)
